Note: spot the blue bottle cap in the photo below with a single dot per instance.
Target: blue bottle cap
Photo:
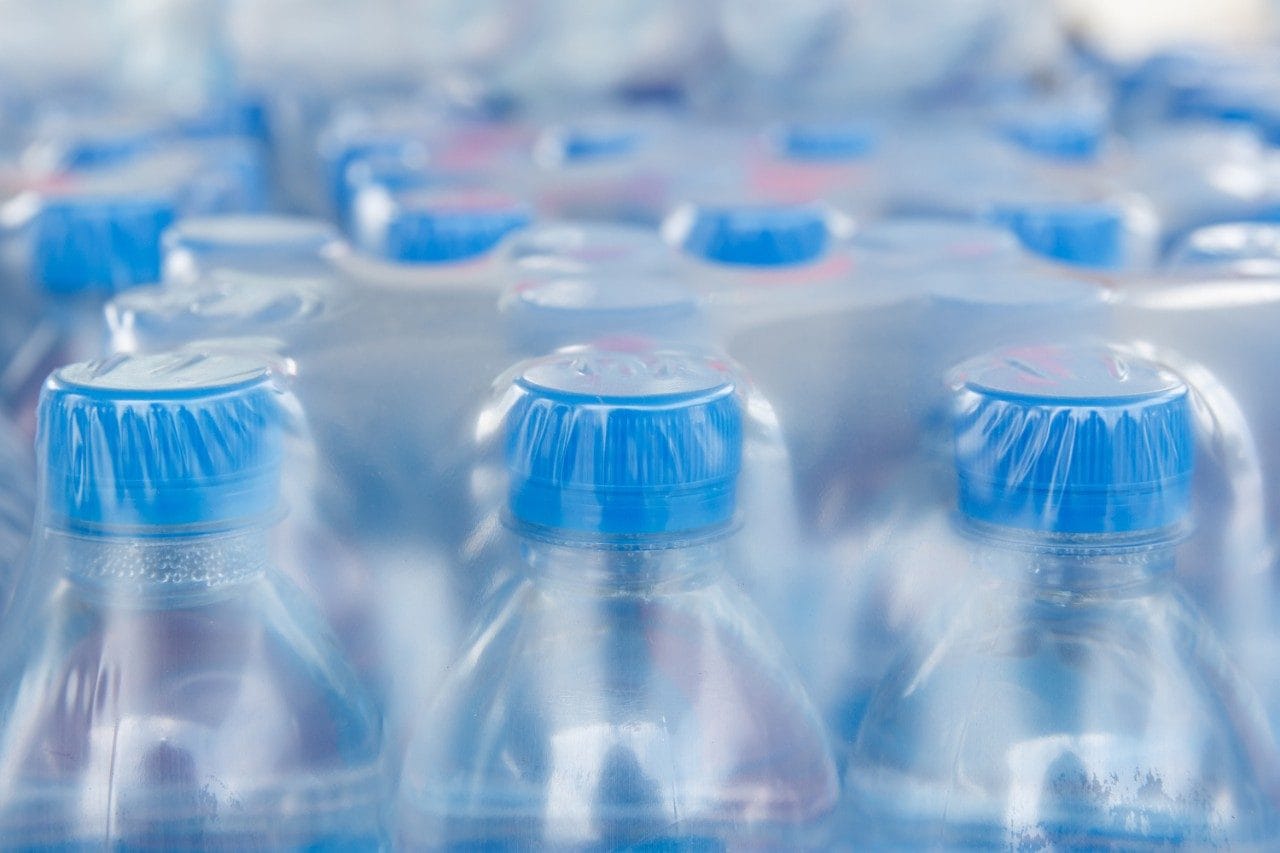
(98, 242)
(1067, 126)
(248, 242)
(1073, 440)
(825, 142)
(624, 443)
(755, 235)
(443, 226)
(178, 440)
(1081, 233)
(544, 314)
(587, 143)
(341, 151)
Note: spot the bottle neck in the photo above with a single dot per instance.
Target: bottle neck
(1070, 566)
(605, 567)
(158, 571)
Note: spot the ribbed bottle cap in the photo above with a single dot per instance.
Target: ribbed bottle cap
(1073, 440)
(1081, 233)
(624, 443)
(98, 242)
(180, 440)
(543, 314)
(442, 226)
(250, 243)
(832, 142)
(758, 235)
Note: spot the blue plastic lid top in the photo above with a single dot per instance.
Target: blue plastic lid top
(1063, 136)
(1084, 234)
(179, 440)
(446, 226)
(1239, 246)
(587, 143)
(825, 142)
(90, 242)
(624, 443)
(1073, 440)
(755, 235)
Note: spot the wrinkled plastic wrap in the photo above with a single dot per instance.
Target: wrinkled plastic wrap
(155, 648)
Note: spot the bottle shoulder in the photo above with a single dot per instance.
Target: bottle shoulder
(1034, 715)
(592, 700)
(245, 681)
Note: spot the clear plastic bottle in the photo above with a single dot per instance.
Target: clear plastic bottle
(1076, 701)
(576, 718)
(163, 687)
(79, 246)
(757, 262)
(861, 397)
(443, 235)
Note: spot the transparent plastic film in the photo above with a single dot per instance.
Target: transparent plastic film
(613, 501)
(193, 695)
(1075, 467)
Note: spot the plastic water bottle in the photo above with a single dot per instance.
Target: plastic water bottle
(1075, 701)
(82, 245)
(190, 698)
(868, 433)
(759, 261)
(258, 245)
(373, 515)
(1232, 248)
(444, 235)
(595, 731)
